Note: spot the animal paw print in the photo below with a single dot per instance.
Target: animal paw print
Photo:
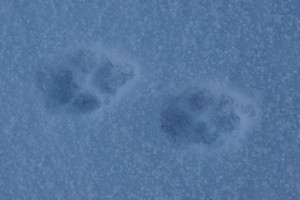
(81, 82)
(200, 116)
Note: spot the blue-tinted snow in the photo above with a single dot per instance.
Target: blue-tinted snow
(100, 126)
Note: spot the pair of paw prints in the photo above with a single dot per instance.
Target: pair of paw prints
(82, 83)
(202, 116)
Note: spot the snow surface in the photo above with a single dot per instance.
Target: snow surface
(150, 99)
